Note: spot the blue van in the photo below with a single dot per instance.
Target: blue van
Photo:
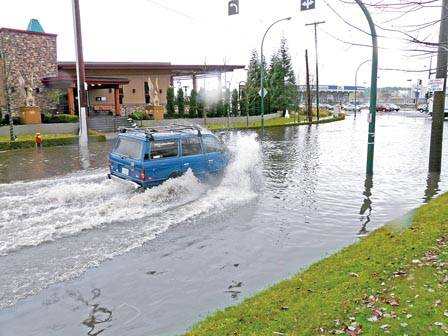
(146, 157)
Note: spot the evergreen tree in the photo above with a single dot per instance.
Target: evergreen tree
(201, 103)
(291, 90)
(276, 84)
(170, 102)
(193, 106)
(226, 103)
(253, 82)
(180, 102)
(219, 108)
(235, 102)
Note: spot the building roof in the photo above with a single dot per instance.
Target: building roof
(20, 31)
(35, 26)
(174, 68)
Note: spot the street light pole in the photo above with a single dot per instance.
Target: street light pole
(261, 69)
(317, 65)
(356, 81)
(373, 90)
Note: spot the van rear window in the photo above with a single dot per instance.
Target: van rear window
(130, 148)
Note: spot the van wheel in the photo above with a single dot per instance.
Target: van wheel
(175, 175)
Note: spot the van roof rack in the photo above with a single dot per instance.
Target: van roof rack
(162, 129)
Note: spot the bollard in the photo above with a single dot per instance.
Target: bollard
(38, 139)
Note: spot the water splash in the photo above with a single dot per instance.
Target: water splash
(82, 219)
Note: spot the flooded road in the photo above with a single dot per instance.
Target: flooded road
(80, 255)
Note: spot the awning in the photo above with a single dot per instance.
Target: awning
(67, 82)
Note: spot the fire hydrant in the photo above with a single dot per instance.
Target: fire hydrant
(38, 139)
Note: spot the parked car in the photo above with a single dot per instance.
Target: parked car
(423, 108)
(350, 107)
(393, 107)
(382, 108)
(327, 106)
(148, 157)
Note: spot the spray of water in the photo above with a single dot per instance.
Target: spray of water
(95, 219)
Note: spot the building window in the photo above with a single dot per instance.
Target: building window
(133, 90)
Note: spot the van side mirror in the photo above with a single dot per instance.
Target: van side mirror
(146, 157)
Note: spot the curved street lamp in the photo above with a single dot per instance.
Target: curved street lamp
(356, 80)
(261, 69)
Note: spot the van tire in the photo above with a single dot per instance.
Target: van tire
(174, 175)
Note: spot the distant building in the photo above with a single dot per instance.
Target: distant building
(334, 94)
(113, 87)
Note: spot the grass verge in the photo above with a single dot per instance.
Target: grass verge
(392, 282)
(273, 123)
(27, 141)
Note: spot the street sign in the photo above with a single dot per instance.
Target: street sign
(307, 4)
(436, 84)
(264, 91)
(234, 7)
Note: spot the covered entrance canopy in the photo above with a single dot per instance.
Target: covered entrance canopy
(69, 83)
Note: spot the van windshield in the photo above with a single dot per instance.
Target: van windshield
(130, 148)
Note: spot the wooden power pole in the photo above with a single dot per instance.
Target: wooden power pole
(80, 74)
(308, 90)
(438, 110)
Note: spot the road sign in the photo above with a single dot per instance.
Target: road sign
(436, 84)
(307, 4)
(264, 91)
(234, 7)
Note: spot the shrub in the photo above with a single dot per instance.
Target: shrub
(139, 115)
(48, 118)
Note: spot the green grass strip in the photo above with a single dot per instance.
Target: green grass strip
(392, 282)
(28, 140)
(274, 123)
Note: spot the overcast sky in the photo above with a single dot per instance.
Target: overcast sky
(198, 31)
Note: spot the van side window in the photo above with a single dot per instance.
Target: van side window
(191, 146)
(211, 144)
(164, 149)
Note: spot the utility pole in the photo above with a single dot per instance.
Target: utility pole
(308, 89)
(438, 110)
(317, 64)
(80, 74)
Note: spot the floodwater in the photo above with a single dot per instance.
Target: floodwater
(80, 255)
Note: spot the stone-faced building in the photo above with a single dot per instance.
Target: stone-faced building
(113, 87)
(30, 55)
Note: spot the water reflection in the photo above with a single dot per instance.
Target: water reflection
(84, 155)
(366, 207)
(432, 186)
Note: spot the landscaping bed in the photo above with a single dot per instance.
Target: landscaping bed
(28, 141)
(392, 282)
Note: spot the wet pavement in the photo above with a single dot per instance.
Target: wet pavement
(80, 255)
